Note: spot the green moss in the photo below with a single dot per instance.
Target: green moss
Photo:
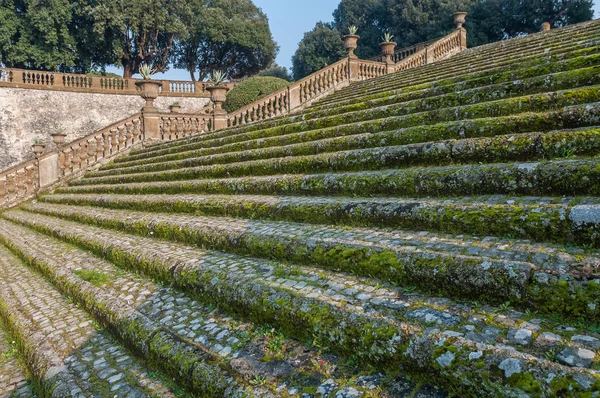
(96, 278)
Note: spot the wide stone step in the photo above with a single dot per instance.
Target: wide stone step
(220, 334)
(330, 140)
(543, 102)
(476, 58)
(456, 272)
(64, 352)
(513, 147)
(569, 62)
(422, 76)
(284, 120)
(365, 302)
(13, 381)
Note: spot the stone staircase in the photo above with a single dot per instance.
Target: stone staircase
(429, 233)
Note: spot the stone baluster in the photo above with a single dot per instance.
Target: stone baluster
(121, 137)
(11, 186)
(128, 134)
(91, 151)
(30, 182)
(136, 131)
(106, 140)
(20, 183)
(76, 161)
(114, 142)
(99, 147)
(83, 154)
(187, 128)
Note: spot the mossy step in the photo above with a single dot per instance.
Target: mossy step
(52, 336)
(404, 340)
(498, 53)
(284, 120)
(185, 317)
(566, 118)
(430, 73)
(349, 160)
(13, 381)
(543, 102)
(460, 274)
(566, 63)
(186, 362)
(504, 148)
(571, 79)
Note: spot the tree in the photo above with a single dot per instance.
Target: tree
(320, 47)
(495, 20)
(37, 34)
(277, 71)
(232, 36)
(135, 32)
(415, 21)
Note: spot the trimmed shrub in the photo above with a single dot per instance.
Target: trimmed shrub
(252, 89)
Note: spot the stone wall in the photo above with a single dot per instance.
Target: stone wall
(27, 114)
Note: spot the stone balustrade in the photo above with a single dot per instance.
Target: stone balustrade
(295, 96)
(22, 78)
(103, 144)
(405, 52)
(18, 183)
(350, 69)
(23, 181)
(173, 127)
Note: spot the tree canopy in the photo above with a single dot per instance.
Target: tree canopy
(200, 36)
(320, 47)
(232, 36)
(414, 21)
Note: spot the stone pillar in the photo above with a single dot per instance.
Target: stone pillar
(463, 39)
(219, 120)
(546, 27)
(151, 126)
(428, 55)
(48, 169)
(353, 68)
(294, 96)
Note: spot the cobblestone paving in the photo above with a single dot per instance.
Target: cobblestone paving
(242, 344)
(61, 334)
(13, 382)
(542, 255)
(504, 328)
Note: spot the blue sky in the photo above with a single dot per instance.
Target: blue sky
(289, 19)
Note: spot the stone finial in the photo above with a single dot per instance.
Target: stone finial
(546, 27)
(459, 19)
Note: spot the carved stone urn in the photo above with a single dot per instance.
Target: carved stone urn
(387, 50)
(459, 19)
(174, 108)
(546, 27)
(351, 42)
(218, 95)
(58, 138)
(149, 92)
(38, 148)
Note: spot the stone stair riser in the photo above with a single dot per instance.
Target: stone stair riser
(421, 352)
(189, 365)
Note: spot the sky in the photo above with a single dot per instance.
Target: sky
(289, 19)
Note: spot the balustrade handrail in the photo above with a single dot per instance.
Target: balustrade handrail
(415, 47)
(47, 80)
(427, 52)
(289, 89)
(17, 167)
